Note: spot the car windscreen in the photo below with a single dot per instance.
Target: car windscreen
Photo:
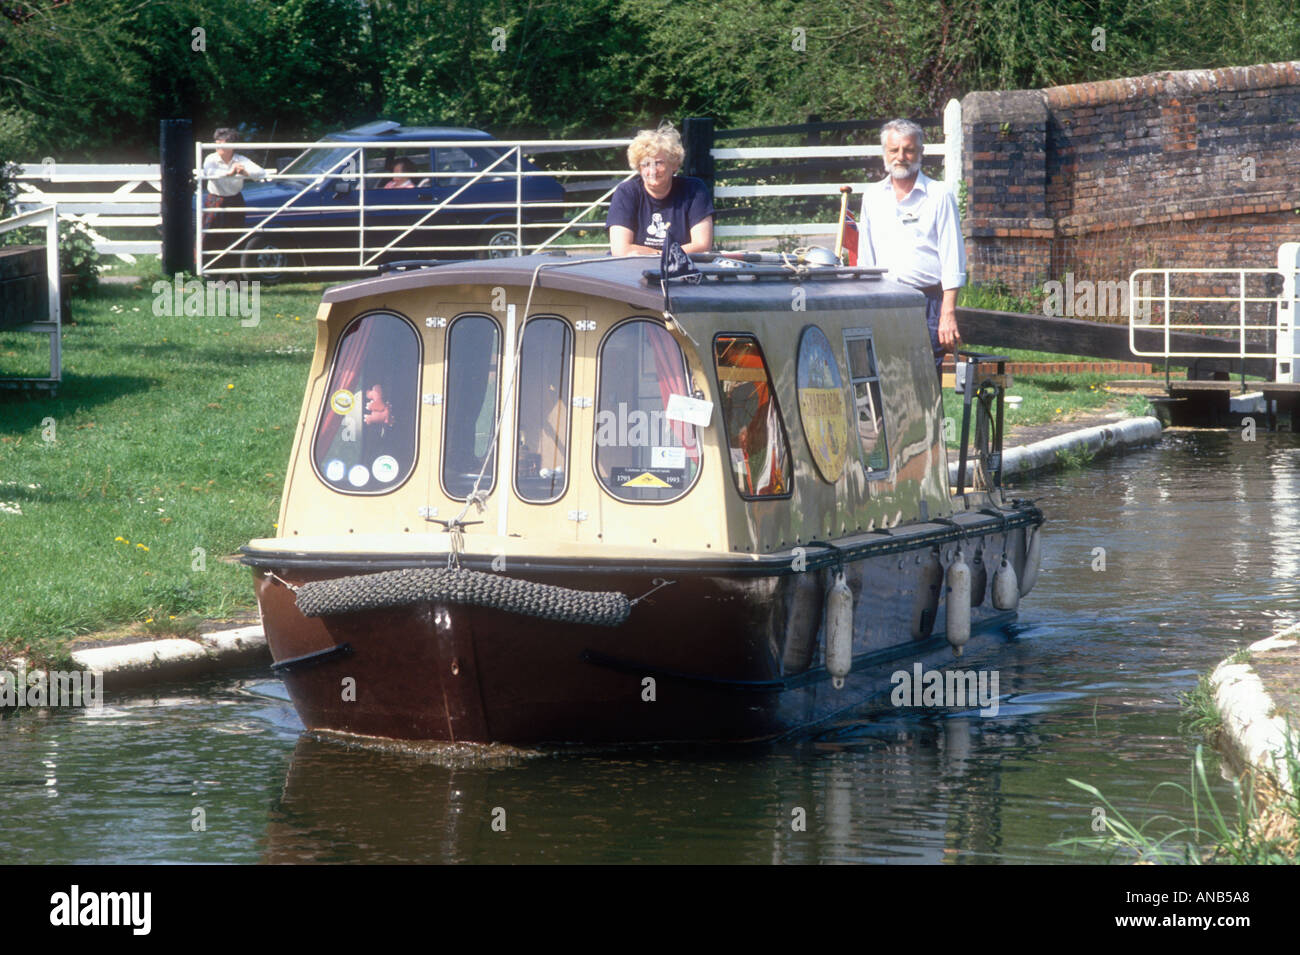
(315, 161)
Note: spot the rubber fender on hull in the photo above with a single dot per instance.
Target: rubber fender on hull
(929, 590)
(979, 580)
(803, 618)
(1006, 590)
(958, 603)
(839, 630)
(1033, 557)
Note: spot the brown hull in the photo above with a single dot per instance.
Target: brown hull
(725, 656)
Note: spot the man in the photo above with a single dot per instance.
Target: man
(910, 225)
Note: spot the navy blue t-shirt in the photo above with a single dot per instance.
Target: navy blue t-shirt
(650, 219)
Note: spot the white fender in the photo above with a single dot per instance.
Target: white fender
(1006, 592)
(929, 589)
(958, 603)
(839, 631)
(1033, 557)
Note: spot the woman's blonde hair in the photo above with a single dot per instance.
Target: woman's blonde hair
(665, 141)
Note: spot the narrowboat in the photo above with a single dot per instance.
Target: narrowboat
(552, 499)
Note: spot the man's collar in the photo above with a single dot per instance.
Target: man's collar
(922, 183)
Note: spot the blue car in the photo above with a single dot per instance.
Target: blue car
(332, 208)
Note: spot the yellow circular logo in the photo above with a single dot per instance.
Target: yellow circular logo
(823, 406)
(342, 401)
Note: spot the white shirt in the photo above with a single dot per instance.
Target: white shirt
(226, 184)
(919, 239)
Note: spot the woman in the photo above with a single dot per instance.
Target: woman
(660, 204)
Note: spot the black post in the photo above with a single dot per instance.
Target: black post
(697, 138)
(176, 165)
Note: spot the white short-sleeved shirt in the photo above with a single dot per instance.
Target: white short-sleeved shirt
(919, 239)
(225, 184)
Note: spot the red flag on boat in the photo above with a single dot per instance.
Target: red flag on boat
(851, 237)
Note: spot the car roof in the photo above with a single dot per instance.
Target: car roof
(384, 129)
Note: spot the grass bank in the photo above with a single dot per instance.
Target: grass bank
(122, 498)
(1050, 397)
(1260, 827)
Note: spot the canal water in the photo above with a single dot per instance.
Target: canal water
(1156, 566)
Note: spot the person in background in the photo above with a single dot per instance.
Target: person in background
(402, 170)
(659, 205)
(225, 172)
(910, 225)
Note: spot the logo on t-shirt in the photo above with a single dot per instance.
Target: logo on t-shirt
(657, 230)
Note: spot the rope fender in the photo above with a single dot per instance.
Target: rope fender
(401, 588)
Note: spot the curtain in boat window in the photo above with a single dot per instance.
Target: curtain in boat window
(641, 454)
(470, 404)
(365, 441)
(760, 459)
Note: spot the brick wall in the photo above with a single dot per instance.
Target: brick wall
(1188, 169)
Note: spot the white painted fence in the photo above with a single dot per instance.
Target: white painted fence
(131, 196)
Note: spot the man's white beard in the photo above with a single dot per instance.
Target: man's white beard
(903, 170)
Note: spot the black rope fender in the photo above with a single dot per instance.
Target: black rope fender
(401, 588)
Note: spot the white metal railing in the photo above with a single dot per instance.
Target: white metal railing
(131, 199)
(950, 149)
(1168, 296)
(52, 326)
(366, 238)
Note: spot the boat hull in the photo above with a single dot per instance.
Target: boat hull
(719, 654)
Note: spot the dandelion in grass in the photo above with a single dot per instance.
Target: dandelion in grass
(230, 387)
(142, 547)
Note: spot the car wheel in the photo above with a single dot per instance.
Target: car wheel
(264, 252)
(500, 244)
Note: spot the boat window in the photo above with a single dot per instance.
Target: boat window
(642, 454)
(542, 423)
(869, 410)
(365, 440)
(760, 459)
(470, 406)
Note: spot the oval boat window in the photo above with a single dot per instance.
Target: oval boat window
(641, 453)
(542, 418)
(470, 408)
(823, 407)
(365, 440)
(760, 459)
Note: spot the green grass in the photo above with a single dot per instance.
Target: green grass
(1208, 837)
(169, 434)
(1261, 828)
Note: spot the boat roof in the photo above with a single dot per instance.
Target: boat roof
(636, 281)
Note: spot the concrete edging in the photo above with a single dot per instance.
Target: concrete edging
(1095, 442)
(133, 665)
(1250, 724)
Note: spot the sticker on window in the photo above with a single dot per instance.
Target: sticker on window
(691, 410)
(384, 468)
(647, 477)
(668, 457)
(342, 401)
